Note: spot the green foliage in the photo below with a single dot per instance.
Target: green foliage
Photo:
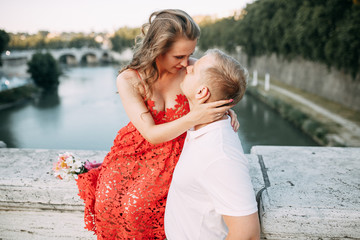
(23, 41)
(56, 43)
(322, 31)
(15, 94)
(4, 40)
(83, 41)
(342, 50)
(44, 70)
(213, 34)
(314, 128)
(43, 40)
(124, 38)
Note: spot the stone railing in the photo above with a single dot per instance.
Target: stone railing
(311, 192)
(302, 192)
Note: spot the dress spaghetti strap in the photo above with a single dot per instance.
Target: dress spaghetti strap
(142, 81)
(137, 73)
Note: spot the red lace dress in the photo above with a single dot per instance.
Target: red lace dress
(125, 197)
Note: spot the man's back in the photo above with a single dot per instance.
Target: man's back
(211, 179)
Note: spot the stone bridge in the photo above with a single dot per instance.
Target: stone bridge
(71, 56)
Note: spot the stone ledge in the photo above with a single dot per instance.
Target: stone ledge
(34, 225)
(313, 192)
(26, 179)
(33, 203)
(36, 205)
(303, 193)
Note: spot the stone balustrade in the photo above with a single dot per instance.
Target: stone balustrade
(311, 192)
(302, 192)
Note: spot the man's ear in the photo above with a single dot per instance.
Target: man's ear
(202, 93)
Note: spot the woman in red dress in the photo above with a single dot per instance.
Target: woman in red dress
(125, 198)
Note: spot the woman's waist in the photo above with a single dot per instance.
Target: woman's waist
(131, 131)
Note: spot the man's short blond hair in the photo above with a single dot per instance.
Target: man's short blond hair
(226, 78)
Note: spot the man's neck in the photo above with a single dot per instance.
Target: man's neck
(197, 127)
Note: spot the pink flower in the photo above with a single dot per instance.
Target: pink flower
(90, 165)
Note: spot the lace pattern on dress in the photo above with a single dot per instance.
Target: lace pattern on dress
(125, 198)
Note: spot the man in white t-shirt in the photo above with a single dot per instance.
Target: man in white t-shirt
(211, 195)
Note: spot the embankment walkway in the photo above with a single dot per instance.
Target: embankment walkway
(349, 125)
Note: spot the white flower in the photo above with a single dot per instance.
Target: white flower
(63, 173)
(70, 160)
(77, 166)
(68, 177)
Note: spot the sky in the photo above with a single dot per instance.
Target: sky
(98, 15)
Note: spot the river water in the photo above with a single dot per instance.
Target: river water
(86, 113)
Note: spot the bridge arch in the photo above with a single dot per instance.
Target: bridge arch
(106, 57)
(68, 59)
(89, 58)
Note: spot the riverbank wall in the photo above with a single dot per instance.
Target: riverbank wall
(313, 77)
(302, 193)
(17, 96)
(320, 122)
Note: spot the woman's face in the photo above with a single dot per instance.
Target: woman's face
(177, 57)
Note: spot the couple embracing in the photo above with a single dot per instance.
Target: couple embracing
(182, 136)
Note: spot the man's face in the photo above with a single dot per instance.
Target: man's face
(193, 81)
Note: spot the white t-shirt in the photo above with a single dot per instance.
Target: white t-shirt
(211, 179)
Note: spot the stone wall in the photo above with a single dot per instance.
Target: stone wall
(302, 193)
(311, 192)
(309, 76)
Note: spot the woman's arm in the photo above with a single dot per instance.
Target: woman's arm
(142, 119)
(234, 121)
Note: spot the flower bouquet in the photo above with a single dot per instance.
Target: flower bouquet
(68, 167)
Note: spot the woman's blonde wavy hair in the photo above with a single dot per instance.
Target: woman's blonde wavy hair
(157, 37)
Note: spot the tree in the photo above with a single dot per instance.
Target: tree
(43, 40)
(320, 31)
(4, 40)
(56, 43)
(44, 70)
(124, 38)
(83, 41)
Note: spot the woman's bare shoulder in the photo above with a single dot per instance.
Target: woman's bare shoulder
(129, 81)
(128, 77)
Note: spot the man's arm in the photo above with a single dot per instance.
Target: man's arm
(243, 228)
